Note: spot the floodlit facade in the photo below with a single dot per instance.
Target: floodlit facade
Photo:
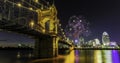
(105, 39)
(114, 44)
(97, 41)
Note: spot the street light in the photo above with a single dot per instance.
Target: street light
(36, 1)
(30, 8)
(19, 4)
(31, 23)
(61, 29)
(59, 24)
(63, 33)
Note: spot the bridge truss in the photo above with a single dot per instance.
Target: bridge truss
(28, 15)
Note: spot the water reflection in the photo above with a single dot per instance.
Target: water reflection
(70, 58)
(115, 56)
(106, 56)
(97, 56)
(89, 56)
(18, 55)
(75, 56)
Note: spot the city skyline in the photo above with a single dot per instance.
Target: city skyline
(59, 31)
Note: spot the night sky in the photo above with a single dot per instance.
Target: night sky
(103, 15)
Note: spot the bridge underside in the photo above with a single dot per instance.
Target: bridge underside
(14, 27)
(45, 44)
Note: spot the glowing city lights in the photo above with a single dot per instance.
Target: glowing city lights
(105, 38)
(19, 4)
(31, 24)
(36, 1)
(98, 56)
(31, 8)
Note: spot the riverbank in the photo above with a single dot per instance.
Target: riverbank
(13, 48)
(96, 48)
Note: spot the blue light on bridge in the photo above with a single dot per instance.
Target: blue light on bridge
(76, 41)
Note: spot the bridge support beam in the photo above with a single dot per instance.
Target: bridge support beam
(46, 46)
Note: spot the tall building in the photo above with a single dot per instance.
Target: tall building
(105, 39)
(97, 41)
(81, 41)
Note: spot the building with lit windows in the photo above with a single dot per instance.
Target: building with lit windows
(81, 41)
(105, 39)
(97, 41)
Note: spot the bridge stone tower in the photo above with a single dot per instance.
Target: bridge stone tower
(46, 44)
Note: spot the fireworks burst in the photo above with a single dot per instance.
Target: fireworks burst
(77, 26)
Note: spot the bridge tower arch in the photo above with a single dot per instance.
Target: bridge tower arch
(46, 45)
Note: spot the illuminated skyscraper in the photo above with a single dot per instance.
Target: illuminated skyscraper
(105, 39)
(81, 41)
(97, 41)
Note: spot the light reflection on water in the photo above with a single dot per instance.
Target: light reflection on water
(70, 58)
(107, 56)
(97, 56)
(75, 56)
(115, 56)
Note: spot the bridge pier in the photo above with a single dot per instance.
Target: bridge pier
(46, 46)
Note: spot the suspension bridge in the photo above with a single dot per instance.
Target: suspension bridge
(37, 19)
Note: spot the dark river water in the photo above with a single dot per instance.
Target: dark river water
(75, 56)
